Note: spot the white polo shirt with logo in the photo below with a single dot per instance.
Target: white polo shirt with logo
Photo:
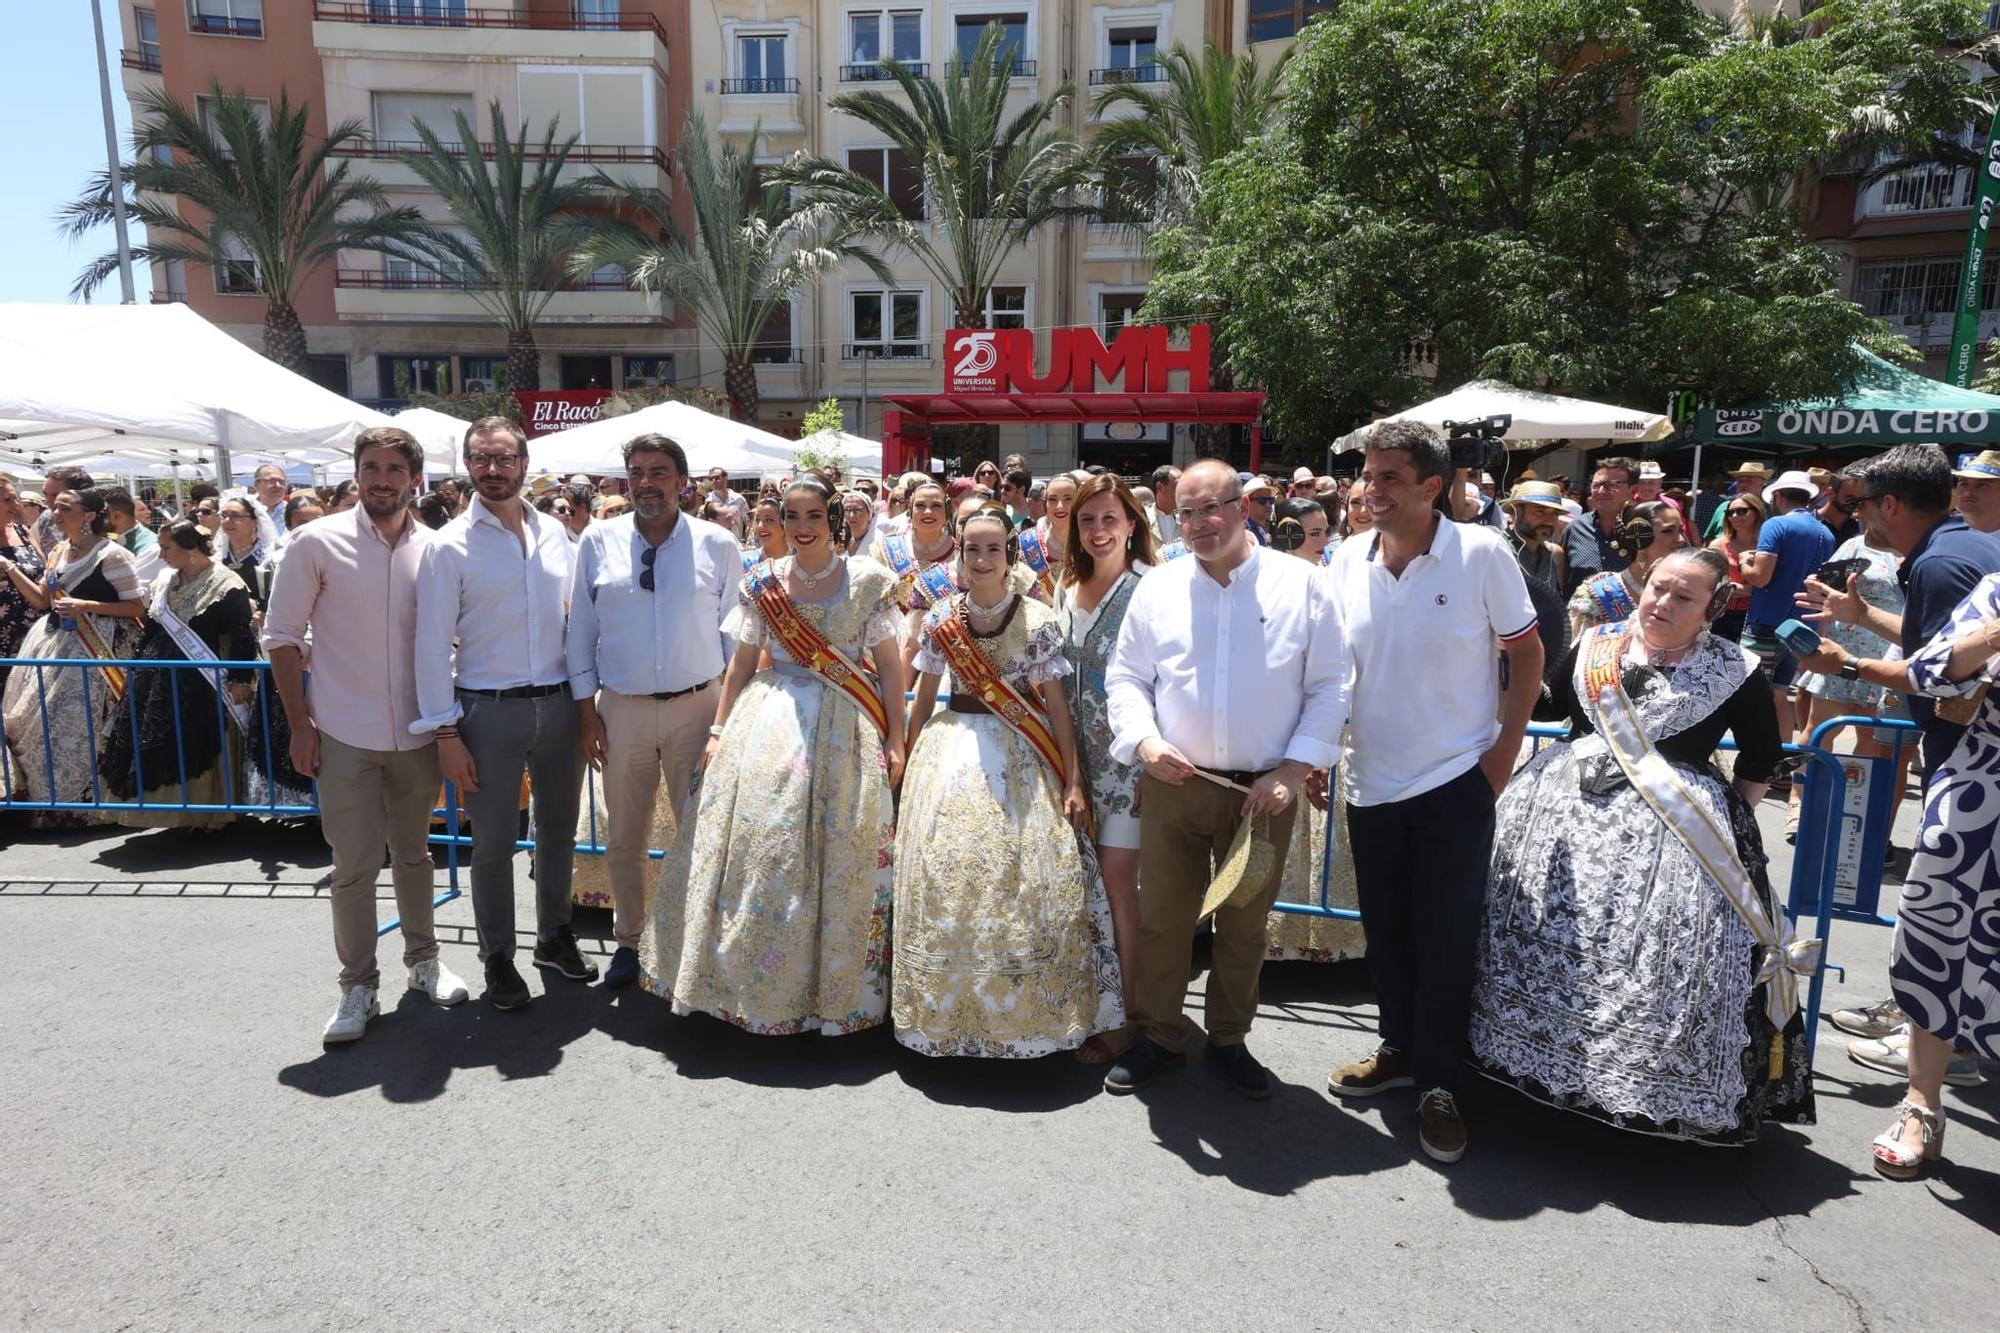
(1426, 696)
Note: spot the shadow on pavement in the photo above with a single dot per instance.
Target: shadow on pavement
(1050, 1083)
(273, 847)
(702, 1047)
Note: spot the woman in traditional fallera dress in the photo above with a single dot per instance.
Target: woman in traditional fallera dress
(181, 730)
(1003, 940)
(920, 557)
(1301, 527)
(1110, 547)
(773, 906)
(56, 717)
(1634, 964)
(1645, 532)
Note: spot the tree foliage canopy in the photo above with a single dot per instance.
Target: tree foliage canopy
(1596, 196)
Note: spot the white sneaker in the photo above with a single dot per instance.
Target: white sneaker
(1869, 1020)
(1891, 1055)
(439, 982)
(351, 1019)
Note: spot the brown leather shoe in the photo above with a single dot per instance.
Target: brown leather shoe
(1383, 1068)
(1440, 1128)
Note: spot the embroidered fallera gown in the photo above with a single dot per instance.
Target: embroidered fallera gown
(1615, 979)
(772, 911)
(1003, 943)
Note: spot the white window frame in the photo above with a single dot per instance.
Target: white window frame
(922, 292)
(200, 9)
(885, 147)
(1105, 18)
(1031, 38)
(442, 131)
(139, 42)
(1027, 311)
(240, 254)
(649, 101)
(885, 32)
(203, 105)
(735, 29)
(1100, 290)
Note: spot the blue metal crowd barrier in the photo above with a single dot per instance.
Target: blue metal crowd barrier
(1815, 888)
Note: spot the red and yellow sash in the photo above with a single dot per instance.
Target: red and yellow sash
(810, 649)
(974, 672)
(86, 629)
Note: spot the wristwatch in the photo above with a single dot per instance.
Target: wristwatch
(1850, 669)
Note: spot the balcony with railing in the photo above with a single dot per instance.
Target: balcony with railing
(1101, 78)
(754, 87)
(1013, 69)
(1930, 188)
(439, 26)
(407, 293)
(886, 351)
(876, 72)
(221, 25)
(146, 61)
(641, 165)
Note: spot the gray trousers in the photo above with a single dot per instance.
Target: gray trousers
(507, 737)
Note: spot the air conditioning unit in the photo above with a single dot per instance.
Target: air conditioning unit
(475, 384)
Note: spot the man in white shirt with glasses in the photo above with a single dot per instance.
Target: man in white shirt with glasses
(645, 644)
(1229, 684)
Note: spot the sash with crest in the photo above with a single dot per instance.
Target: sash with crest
(1173, 550)
(1782, 959)
(976, 674)
(751, 558)
(63, 580)
(1036, 554)
(195, 650)
(1608, 591)
(810, 649)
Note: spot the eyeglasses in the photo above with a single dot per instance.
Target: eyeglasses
(1741, 512)
(1263, 499)
(206, 509)
(234, 518)
(491, 462)
(560, 511)
(1208, 513)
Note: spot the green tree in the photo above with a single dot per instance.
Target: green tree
(991, 178)
(514, 228)
(1567, 194)
(754, 248)
(252, 198)
(1199, 111)
(826, 416)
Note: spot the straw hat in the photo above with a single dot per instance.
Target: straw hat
(1793, 480)
(1982, 466)
(1649, 470)
(1544, 493)
(1753, 471)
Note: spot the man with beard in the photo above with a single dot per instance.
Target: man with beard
(493, 687)
(351, 580)
(1538, 508)
(645, 643)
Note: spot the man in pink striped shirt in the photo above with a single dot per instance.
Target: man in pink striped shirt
(351, 579)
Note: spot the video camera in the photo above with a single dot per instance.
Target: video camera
(1479, 446)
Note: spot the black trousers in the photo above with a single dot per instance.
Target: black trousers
(1420, 869)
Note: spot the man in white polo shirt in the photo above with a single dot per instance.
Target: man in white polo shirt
(1432, 739)
(1228, 665)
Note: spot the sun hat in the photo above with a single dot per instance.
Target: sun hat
(1793, 480)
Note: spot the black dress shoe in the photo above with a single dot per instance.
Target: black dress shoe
(504, 987)
(1245, 1074)
(1139, 1065)
(560, 955)
(624, 969)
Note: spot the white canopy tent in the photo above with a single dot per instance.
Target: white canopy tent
(854, 452)
(141, 383)
(710, 441)
(439, 434)
(1537, 416)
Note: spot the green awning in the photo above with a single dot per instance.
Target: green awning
(1881, 405)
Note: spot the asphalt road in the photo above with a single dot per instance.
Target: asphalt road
(185, 1155)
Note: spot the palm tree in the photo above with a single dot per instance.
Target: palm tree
(262, 203)
(1200, 110)
(515, 229)
(991, 180)
(754, 247)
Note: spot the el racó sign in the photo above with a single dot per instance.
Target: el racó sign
(1139, 360)
(545, 413)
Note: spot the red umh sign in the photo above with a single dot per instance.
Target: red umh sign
(545, 413)
(1139, 360)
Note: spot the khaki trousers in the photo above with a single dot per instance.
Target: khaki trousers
(644, 740)
(369, 799)
(1184, 832)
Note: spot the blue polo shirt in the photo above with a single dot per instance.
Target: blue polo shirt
(1802, 544)
(1939, 573)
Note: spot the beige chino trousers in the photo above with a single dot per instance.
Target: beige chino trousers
(645, 739)
(368, 800)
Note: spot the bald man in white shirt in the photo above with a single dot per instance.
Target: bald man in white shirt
(1230, 665)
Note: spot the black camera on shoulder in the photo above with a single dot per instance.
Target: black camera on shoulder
(1479, 446)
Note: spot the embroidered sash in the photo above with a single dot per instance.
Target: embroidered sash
(195, 650)
(1173, 550)
(1782, 958)
(920, 586)
(975, 673)
(92, 638)
(751, 558)
(1037, 557)
(932, 585)
(810, 649)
